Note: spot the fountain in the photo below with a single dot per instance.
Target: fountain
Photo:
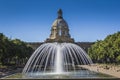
(58, 56)
(55, 58)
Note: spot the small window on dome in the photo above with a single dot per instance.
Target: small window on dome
(60, 32)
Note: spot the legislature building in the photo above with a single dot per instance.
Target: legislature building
(60, 33)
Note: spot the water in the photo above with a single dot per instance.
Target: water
(59, 61)
(79, 74)
(56, 59)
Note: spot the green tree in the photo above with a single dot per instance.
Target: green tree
(107, 50)
(13, 52)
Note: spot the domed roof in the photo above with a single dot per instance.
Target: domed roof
(60, 22)
(60, 30)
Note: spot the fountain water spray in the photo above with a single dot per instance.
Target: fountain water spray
(59, 61)
(56, 58)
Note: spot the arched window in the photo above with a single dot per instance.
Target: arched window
(60, 32)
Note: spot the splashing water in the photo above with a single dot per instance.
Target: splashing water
(55, 58)
(59, 62)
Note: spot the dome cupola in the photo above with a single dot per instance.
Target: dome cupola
(60, 30)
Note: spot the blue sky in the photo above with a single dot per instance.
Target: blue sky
(31, 20)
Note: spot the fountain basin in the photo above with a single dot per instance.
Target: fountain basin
(79, 74)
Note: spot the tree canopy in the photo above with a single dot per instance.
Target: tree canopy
(107, 50)
(13, 52)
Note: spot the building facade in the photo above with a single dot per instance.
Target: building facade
(60, 33)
